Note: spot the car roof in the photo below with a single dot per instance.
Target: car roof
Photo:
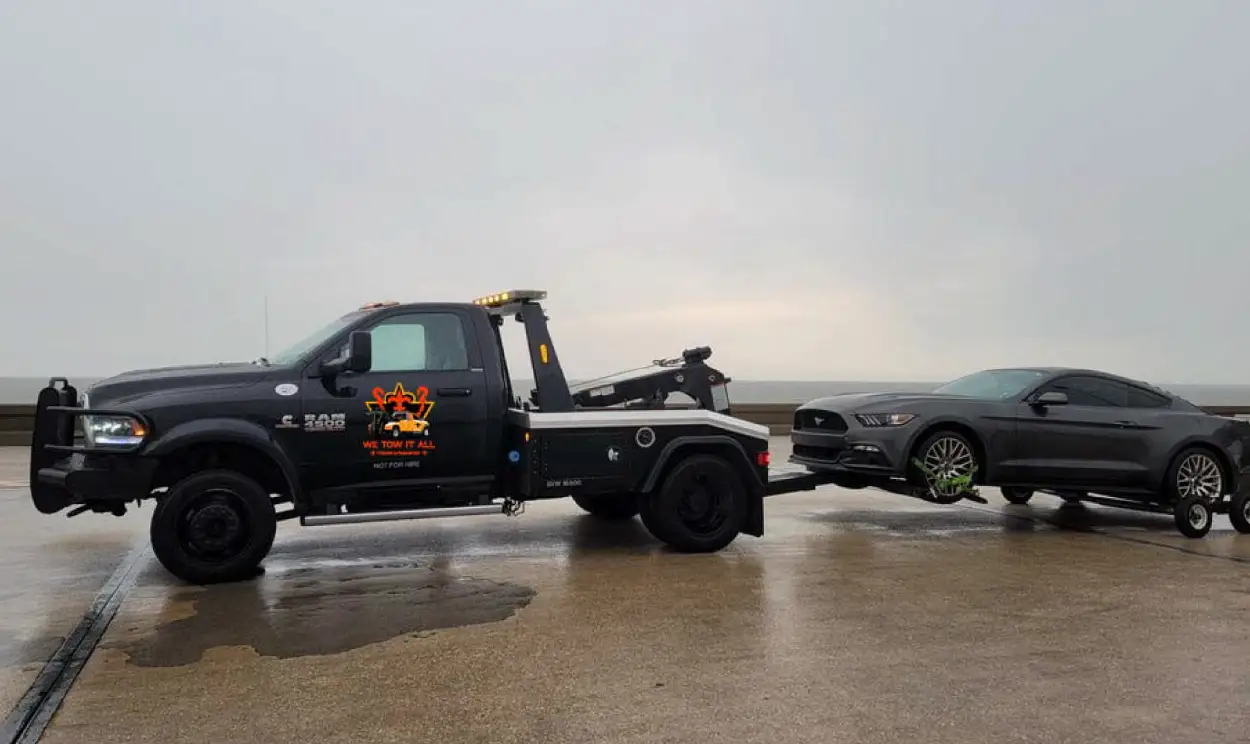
(1058, 371)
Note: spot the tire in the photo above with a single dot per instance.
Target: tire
(1194, 472)
(700, 507)
(1239, 512)
(647, 515)
(616, 507)
(942, 447)
(1194, 516)
(185, 523)
(1017, 496)
(1071, 497)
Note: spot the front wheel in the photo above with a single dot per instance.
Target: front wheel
(947, 466)
(1239, 512)
(616, 507)
(212, 527)
(700, 507)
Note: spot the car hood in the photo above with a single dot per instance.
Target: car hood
(134, 383)
(848, 402)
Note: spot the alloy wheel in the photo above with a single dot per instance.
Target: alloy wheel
(1199, 475)
(946, 459)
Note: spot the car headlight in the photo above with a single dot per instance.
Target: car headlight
(113, 431)
(884, 419)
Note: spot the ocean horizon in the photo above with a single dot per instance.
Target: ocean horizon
(23, 390)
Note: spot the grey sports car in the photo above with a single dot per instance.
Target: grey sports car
(1077, 433)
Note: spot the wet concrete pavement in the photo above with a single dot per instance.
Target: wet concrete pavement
(859, 617)
(53, 568)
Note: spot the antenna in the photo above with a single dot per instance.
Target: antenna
(266, 326)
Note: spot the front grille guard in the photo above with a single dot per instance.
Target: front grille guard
(57, 427)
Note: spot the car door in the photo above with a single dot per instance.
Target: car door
(418, 416)
(1091, 441)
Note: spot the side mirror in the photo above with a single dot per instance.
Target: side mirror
(1052, 398)
(358, 357)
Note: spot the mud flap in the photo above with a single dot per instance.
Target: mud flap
(51, 427)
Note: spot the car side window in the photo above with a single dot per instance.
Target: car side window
(1090, 391)
(420, 342)
(1141, 398)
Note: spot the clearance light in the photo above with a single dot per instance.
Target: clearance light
(506, 298)
(763, 459)
(375, 305)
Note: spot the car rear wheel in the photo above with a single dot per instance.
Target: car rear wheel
(616, 507)
(213, 526)
(1017, 496)
(947, 466)
(1195, 472)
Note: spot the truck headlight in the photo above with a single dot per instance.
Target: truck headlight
(113, 431)
(884, 419)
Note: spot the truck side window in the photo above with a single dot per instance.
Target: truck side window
(420, 342)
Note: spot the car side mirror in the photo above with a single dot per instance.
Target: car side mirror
(358, 358)
(1052, 398)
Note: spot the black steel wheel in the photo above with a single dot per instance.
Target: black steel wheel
(212, 527)
(701, 506)
(1016, 496)
(616, 507)
(943, 456)
(1194, 516)
(1239, 512)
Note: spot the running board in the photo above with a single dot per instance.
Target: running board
(395, 515)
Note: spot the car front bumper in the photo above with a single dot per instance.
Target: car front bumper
(877, 452)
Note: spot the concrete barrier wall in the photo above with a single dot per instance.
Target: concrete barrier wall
(16, 422)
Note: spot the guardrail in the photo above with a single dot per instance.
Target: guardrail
(17, 421)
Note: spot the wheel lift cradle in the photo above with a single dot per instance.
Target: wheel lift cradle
(595, 439)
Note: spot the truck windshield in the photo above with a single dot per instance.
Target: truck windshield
(994, 384)
(296, 352)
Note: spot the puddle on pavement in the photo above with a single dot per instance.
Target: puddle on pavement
(925, 523)
(320, 610)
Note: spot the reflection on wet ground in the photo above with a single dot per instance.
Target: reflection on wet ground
(859, 617)
(324, 610)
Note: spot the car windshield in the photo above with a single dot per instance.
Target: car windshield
(298, 351)
(993, 384)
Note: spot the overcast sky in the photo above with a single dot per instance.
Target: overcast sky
(817, 189)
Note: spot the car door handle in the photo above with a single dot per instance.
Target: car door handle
(455, 392)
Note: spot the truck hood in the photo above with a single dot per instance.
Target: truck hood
(134, 383)
(848, 402)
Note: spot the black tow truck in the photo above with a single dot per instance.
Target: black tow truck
(400, 411)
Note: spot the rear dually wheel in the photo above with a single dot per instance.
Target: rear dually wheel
(616, 507)
(700, 507)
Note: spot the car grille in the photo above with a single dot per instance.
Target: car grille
(819, 421)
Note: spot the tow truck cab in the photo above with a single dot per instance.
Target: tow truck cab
(398, 411)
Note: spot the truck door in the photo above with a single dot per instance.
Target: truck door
(419, 414)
